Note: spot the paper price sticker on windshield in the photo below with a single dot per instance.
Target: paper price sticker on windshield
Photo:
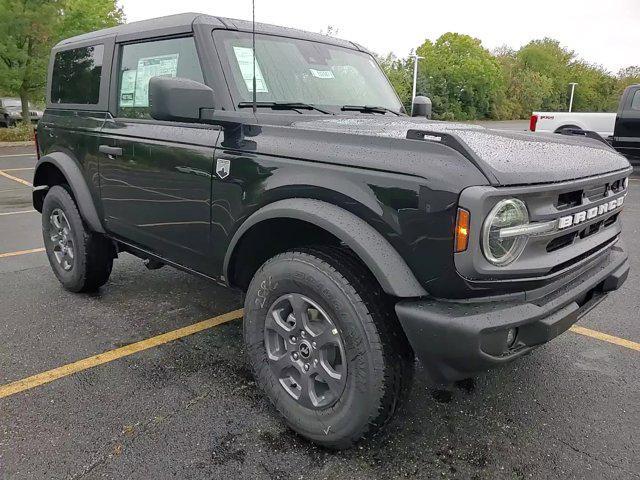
(325, 74)
(244, 56)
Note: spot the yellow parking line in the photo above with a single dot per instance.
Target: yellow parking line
(111, 355)
(15, 179)
(17, 169)
(19, 155)
(21, 252)
(16, 213)
(605, 337)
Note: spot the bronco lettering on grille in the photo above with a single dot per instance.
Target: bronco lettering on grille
(593, 212)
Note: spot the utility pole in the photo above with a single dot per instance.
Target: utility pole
(573, 89)
(416, 57)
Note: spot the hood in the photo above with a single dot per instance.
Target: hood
(505, 157)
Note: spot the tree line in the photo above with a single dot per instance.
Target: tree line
(28, 30)
(465, 81)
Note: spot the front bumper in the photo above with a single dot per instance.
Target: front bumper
(455, 340)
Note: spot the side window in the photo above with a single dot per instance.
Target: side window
(635, 103)
(76, 76)
(140, 62)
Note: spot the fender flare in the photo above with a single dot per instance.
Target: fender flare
(386, 264)
(75, 178)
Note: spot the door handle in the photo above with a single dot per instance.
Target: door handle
(111, 151)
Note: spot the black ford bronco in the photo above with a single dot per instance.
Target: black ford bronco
(361, 236)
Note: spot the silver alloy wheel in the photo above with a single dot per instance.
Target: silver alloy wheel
(61, 239)
(305, 351)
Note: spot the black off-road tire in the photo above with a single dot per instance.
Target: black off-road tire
(379, 360)
(93, 253)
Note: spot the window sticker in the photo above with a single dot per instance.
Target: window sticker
(161, 66)
(325, 74)
(244, 56)
(128, 88)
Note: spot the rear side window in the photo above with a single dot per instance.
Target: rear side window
(140, 62)
(635, 103)
(76, 76)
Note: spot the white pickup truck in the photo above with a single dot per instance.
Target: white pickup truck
(555, 122)
(621, 130)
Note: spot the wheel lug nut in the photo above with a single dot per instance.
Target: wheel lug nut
(293, 339)
(306, 367)
(303, 334)
(314, 345)
(315, 362)
(295, 356)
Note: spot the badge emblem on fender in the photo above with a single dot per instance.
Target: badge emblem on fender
(223, 167)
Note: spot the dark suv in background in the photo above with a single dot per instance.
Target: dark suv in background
(362, 237)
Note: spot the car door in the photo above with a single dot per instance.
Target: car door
(627, 134)
(155, 176)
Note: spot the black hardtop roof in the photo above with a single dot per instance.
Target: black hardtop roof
(183, 23)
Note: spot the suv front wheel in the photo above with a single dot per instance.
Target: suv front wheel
(81, 259)
(324, 345)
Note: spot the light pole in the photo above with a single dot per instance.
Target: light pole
(573, 89)
(416, 57)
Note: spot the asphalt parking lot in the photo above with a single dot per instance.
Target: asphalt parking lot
(185, 406)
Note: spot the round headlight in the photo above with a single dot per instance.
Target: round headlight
(502, 250)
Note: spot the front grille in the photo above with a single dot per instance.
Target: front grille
(569, 200)
(560, 242)
(590, 230)
(583, 256)
(592, 193)
(611, 220)
(564, 245)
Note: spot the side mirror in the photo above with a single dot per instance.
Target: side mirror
(421, 107)
(178, 99)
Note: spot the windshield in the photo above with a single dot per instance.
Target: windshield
(292, 70)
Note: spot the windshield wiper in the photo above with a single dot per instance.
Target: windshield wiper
(368, 109)
(285, 106)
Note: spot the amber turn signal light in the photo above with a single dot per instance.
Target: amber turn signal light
(462, 230)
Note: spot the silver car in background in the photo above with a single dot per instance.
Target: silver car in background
(11, 112)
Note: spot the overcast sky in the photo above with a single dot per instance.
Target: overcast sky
(606, 32)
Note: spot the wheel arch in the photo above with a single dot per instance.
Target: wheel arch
(569, 125)
(57, 168)
(379, 256)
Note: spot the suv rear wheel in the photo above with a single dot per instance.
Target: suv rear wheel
(81, 259)
(325, 346)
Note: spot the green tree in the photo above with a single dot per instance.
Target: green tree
(550, 61)
(628, 76)
(524, 89)
(28, 30)
(462, 78)
(597, 89)
(400, 74)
